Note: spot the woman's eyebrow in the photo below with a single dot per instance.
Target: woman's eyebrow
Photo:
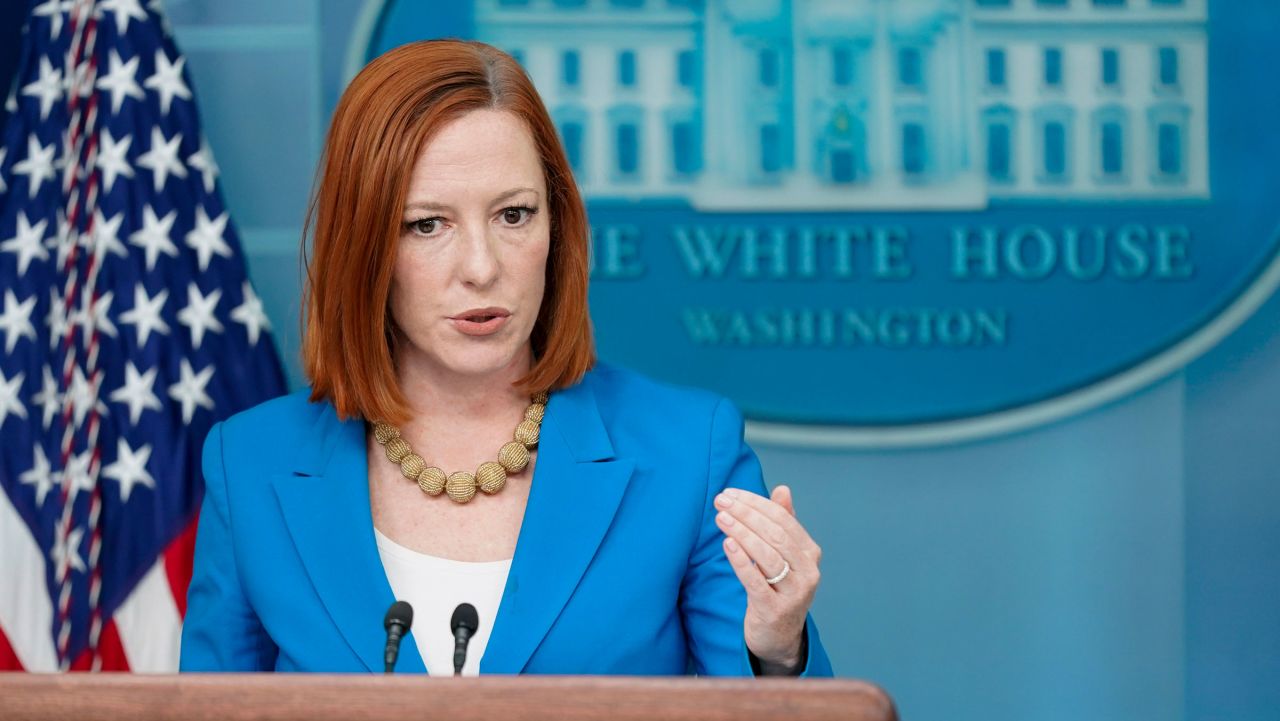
(502, 198)
(512, 193)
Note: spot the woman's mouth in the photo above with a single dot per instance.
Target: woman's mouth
(481, 321)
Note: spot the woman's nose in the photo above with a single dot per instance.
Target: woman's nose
(479, 265)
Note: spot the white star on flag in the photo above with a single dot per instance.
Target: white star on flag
(198, 316)
(121, 80)
(27, 243)
(84, 395)
(154, 235)
(137, 392)
(15, 321)
(5, 186)
(206, 238)
(77, 475)
(162, 158)
(251, 314)
(202, 160)
(145, 314)
(49, 398)
(54, 10)
(94, 316)
(56, 318)
(63, 240)
(130, 468)
(40, 475)
(66, 551)
(37, 166)
(124, 11)
(48, 87)
(105, 236)
(113, 159)
(10, 404)
(190, 390)
(167, 81)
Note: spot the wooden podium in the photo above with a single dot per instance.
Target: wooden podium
(314, 697)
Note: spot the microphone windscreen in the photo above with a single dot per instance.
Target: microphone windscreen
(464, 615)
(400, 612)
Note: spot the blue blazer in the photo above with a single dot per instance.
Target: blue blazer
(618, 568)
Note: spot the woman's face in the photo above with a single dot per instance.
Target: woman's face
(472, 253)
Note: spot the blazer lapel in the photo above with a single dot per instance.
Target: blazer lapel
(576, 488)
(326, 508)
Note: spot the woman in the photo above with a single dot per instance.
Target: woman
(620, 528)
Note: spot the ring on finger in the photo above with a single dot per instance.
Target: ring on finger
(786, 571)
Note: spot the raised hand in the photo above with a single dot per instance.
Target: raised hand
(777, 562)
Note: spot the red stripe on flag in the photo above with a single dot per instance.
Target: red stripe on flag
(8, 659)
(178, 559)
(110, 651)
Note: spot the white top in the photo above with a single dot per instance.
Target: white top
(435, 586)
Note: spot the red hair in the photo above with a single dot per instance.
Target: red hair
(384, 119)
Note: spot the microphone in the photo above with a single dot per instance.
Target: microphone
(464, 623)
(399, 619)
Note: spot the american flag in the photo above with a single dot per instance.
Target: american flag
(128, 326)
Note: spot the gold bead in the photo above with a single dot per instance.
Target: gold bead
(540, 397)
(397, 449)
(432, 481)
(461, 486)
(535, 412)
(514, 457)
(383, 432)
(491, 477)
(411, 465)
(527, 433)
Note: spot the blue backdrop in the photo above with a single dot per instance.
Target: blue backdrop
(1121, 563)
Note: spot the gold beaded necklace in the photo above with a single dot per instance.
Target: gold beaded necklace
(461, 486)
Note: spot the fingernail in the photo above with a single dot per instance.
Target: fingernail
(724, 500)
(732, 545)
(725, 519)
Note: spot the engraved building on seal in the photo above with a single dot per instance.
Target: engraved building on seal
(870, 104)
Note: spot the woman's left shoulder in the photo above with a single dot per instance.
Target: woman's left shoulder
(632, 404)
(615, 386)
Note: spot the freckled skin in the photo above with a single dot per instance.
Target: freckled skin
(468, 251)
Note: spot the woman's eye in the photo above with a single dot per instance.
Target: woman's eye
(517, 215)
(425, 226)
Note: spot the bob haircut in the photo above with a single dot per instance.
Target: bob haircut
(384, 119)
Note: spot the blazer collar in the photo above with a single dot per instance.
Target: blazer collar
(577, 486)
(325, 502)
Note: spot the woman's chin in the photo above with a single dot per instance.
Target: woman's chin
(482, 362)
(467, 359)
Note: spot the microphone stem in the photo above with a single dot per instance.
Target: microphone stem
(392, 652)
(461, 638)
